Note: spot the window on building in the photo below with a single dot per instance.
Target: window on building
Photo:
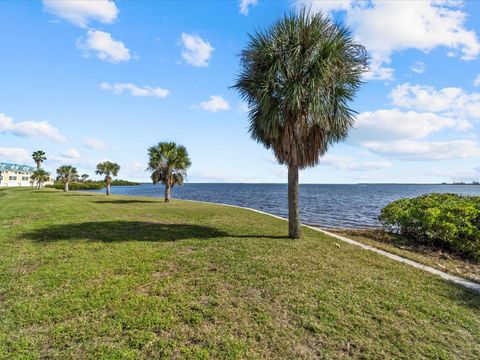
(12, 178)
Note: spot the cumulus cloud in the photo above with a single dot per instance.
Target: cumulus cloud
(135, 90)
(94, 144)
(388, 26)
(350, 164)
(403, 135)
(16, 155)
(476, 82)
(418, 67)
(31, 129)
(196, 51)
(104, 46)
(71, 154)
(245, 4)
(215, 104)
(451, 101)
(394, 124)
(426, 150)
(81, 12)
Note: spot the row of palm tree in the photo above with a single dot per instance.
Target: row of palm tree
(298, 78)
(167, 161)
(67, 174)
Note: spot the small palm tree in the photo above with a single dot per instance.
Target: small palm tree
(39, 176)
(66, 174)
(298, 78)
(108, 169)
(84, 177)
(168, 163)
(39, 157)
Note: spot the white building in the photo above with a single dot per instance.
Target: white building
(17, 175)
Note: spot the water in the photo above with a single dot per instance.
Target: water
(344, 206)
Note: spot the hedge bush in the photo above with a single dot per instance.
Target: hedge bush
(78, 186)
(450, 221)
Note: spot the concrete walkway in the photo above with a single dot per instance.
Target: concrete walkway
(452, 278)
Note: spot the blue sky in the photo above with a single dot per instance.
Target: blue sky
(88, 81)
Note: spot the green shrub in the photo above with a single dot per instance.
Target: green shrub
(447, 220)
(120, 182)
(78, 186)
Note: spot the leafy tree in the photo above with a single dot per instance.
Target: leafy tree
(168, 163)
(39, 176)
(84, 177)
(108, 169)
(298, 79)
(66, 174)
(39, 157)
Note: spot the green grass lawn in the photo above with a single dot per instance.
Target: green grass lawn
(91, 276)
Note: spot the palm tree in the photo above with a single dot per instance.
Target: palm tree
(39, 157)
(66, 174)
(84, 177)
(39, 176)
(298, 78)
(168, 163)
(108, 169)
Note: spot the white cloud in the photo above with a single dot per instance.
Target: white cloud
(16, 155)
(394, 124)
(196, 51)
(94, 144)
(426, 150)
(476, 82)
(450, 101)
(245, 4)
(106, 48)
(80, 12)
(418, 67)
(215, 104)
(71, 154)
(135, 90)
(350, 164)
(398, 134)
(31, 129)
(388, 26)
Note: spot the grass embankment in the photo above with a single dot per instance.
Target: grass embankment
(453, 263)
(91, 276)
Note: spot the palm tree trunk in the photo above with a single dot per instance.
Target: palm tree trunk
(294, 230)
(65, 188)
(108, 189)
(168, 192)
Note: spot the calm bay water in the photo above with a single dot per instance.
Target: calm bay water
(346, 206)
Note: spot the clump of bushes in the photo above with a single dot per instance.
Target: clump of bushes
(78, 185)
(449, 221)
(120, 182)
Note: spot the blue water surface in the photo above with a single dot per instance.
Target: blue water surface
(334, 206)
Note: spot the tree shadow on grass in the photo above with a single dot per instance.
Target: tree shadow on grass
(117, 231)
(126, 202)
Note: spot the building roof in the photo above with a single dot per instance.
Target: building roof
(16, 167)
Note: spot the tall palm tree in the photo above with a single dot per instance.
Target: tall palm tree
(39, 176)
(298, 78)
(39, 157)
(169, 163)
(66, 174)
(84, 177)
(108, 169)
